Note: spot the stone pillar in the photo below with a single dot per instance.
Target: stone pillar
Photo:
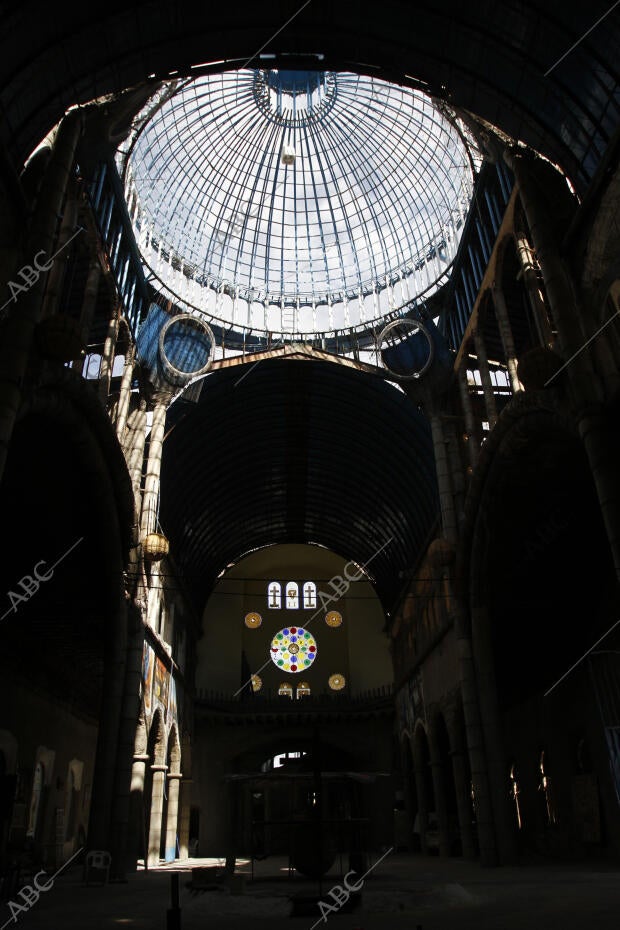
(126, 743)
(459, 485)
(107, 359)
(555, 275)
(137, 827)
(133, 448)
(151, 484)
(420, 787)
(122, 409)
(68, 229)
(475, 744)
(157, 811)
(18, 328)
(441, 804)
(444, 480)
(505, 332)
(532, 287)
(89, 301)
(464, 805)
(468, 414)
(173, 814)
(596, 432)
(492, 735)
(104, 776)
(186, 803)
(485, 377)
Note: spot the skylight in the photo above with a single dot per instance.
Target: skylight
(297, 202)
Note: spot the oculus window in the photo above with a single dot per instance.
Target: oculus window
(293, 649)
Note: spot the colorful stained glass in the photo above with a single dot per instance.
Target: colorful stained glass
(253, 620)
(293, 649)
(333, 618)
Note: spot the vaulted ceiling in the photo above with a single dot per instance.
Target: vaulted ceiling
(292, 451)
(498, 59)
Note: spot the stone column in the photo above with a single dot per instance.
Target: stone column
(126, 742)
(532, 287)
(122, 409)
(107, 359)
(468, 414)
(186, 799)
(68, 229)
(485, 377)
(492, 734)
(444, 480)
(475, 744)
(104, 776)
(596, 431)
(173, 813)
(20, 322)
(441, 805)
(137, 827)
(459, 485)
(151, 483)
(420, 787)
(157, 811)
(555, 275)
(505, 332)
(133, 448)
(89, 301)
(464, 805)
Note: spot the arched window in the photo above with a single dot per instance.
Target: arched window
(303, 688)
(286, 690)
(292, 595)
(309, 595)
(274, 595)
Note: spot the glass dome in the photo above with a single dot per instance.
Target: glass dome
(297, 202)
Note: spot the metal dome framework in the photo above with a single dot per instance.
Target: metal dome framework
(297, 203)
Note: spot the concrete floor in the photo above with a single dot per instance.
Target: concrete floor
(404, 891)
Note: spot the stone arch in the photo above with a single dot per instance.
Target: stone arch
(444, 784)
(426, 826)
(410, 788)
(533, 489)
(463, 781)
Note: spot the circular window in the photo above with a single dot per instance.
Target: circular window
(257, 682)
(333, 618)
(406, 348)
(337, 682)
(186, 348)
(253, 620)
(293, 649)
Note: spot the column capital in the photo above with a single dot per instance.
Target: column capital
(176, 775)
(159, 768)
(141, 757)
